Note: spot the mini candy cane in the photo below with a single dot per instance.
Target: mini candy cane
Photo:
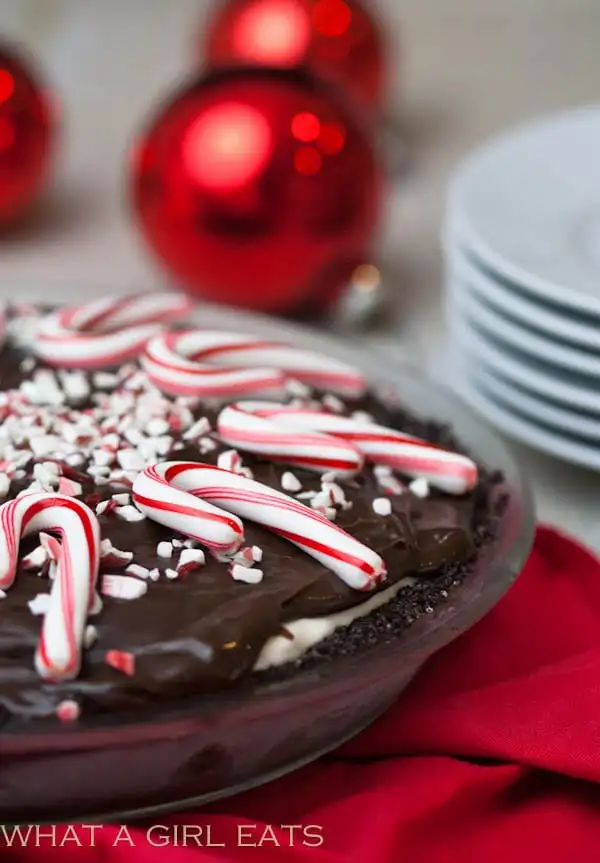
(447, 471)
(270, 439)
(58, 655)
(106, 332)
(184, 364)
(353, 562)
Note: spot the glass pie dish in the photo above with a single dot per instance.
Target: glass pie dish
(193, 751)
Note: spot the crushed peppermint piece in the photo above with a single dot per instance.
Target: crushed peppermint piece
(382, 506)
(105, 380)
(164, 549)
(257, 553)
(96, 470)
(75, 385)
(2, 594)
(197, 430)
(111, 556)
(242, 573)
(51, 545)
(45, 444)
(362, 417)
(290, 482)
(177, 543)
(306, 495)
(137, 569)
(122, 498)
(297, 388)
(68, 710)
(36, 559)
(39, 604)
(382, 470)
(172, 574)
(69, 487)
(90, 636)
(154, 574)
(121, 660)
(206, 444)
(103, 457)
(230, 460)
(131, 459)
(157, 427)
(243, 557)
(335, 492)
(190, 543)
(27, 364)
(419, 487)
(391, 485)
(334, 403)
(130, 513)
(123, 586)
(106, 506)
(4, 485)
(190, 559)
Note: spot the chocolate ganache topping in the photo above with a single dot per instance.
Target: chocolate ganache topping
(172, 617)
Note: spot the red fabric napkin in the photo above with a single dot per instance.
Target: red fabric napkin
(493, 754)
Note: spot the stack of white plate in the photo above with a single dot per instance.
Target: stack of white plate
(522, 252)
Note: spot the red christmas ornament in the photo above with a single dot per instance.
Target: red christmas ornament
(333, 38)
(257, 188)
(26, 134)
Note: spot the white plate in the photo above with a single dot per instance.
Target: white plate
(516, 337)
(532, 375)
(529, 206)
(505, 297)
(531, 406)
(521, 428)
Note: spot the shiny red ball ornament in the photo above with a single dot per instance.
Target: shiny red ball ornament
(257, 188)
(26, 134)
(333, 38)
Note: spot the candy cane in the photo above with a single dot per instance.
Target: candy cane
(277, 441)
(447, 471)
(184, 364)
(108, 331)
(170, 494)
(58, 655)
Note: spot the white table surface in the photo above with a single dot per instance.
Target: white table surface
(464, 71)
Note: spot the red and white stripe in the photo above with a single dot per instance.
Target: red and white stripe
(58, 655)
(282, 442)
(106, 332)
(194, 363)
(194, 499)
(445, 470)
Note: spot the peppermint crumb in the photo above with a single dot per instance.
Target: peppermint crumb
(190, 559)
(306, 495)
(123, 587)
(137, 569)
(103, 457)
(157, 427)
(362, 417)
(177, 543)
(90, 636)
(334, 403)
(229, 460)
(121, 660)
(39, 604)
(199, 429)
(97, 470)
(382, 506)
(69, 487)
(27, 364)
(242, 573)
(297, 388)
(68, 711)
(105, 380)
(206, 444)
(105, 506)
(130, 513)
(131, 459)
(164, 549)
(257, 554)
(290, 482)
(2, 594)
(35, 559)
(382, 470)
(122, 499)
(419, 487)
(154, 574)
(171, 574)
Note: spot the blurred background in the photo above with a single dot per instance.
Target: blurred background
(456, 74)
